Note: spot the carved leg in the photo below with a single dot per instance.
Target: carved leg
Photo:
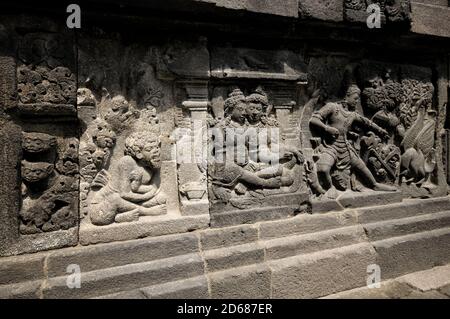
(324, 165)
(153, 211)
(362, 169)
(127, 217)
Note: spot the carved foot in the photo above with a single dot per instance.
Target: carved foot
(153, 211)
(127, 217)
(384, 188)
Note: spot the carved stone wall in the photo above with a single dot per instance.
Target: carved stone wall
(213, 135)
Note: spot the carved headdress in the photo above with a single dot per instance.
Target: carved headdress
(260, 97)
(234, 98)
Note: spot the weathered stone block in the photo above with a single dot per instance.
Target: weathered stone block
(305, 223)
(117, 254)
(192, 288)
(229, 236)
(236, 256)
(21, 268)
(309, 243)
(127, 277)
(329, 10)
(250, 282)
(405, 226)
(321, 273)
(399, 255)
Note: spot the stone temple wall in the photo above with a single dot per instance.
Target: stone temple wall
(208, 148)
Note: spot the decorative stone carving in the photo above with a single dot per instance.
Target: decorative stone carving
(250, 164)
(338, 157)
(132, 185)
(391, 10)
(49, 189)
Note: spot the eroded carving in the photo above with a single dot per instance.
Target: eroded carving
(50, 187)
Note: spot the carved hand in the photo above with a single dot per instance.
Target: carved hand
(334, 132)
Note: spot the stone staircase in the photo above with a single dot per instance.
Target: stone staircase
(306, 256)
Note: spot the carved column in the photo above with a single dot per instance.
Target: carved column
(192, 174)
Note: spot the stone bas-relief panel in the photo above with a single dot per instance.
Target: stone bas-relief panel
(381, 136)
(255, 170)
(129, 171)
(43, 147)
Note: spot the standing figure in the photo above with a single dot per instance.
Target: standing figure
(336, 121)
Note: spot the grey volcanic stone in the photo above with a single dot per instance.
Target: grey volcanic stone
(127, 277)
(192, 288)
(329, 10)
(250, 282)
(223, 237)
(229, 257)
(400, 255)
(306, 223)
(25, 290)
(309, 243)
(21, 268)
(321, 273)
(287, 8)
(122, 253)
(430, 19)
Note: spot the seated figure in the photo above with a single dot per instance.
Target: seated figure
(129, 193)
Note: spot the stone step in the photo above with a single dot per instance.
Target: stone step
(404, 254)
(109, 255)
(312, 223)
(192, 288)
(330, 271)
(127, 277)
(308, 243)
(235, 256)
(405, 226)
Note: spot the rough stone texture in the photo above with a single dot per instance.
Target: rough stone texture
(219, 259)
(329, 10)
(224, 237)
(431, 279)
(309, 243)
(412, 252)
(130, 252)
(287, 8)
(154, 227)
(193, 288)
(321, 273)
(107, 281)
(105, 145)
(430, 19)
(21, 268)
(251, 282)
(303, 224)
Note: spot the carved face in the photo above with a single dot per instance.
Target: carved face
(35, 172)
(239, 113)
(151, 154)
(353, 101)
(254, 112)
(37, 142)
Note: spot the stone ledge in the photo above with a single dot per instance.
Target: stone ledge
(145, 227)
(430, 19)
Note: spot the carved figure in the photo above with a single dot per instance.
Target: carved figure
(129, 193)
(338, 153)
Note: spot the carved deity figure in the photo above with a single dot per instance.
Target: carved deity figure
(129, 193)
(338, 153)
(251, 166)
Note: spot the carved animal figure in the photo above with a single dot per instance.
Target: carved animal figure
(419, 160)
